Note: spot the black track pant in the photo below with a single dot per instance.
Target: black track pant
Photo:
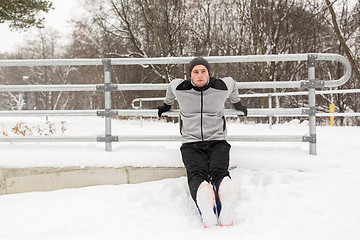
(205, 161)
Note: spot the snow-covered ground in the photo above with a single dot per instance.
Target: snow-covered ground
(282, 192)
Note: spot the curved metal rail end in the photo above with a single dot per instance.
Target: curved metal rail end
(339, 58)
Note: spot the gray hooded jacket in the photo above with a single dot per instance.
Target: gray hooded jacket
(202, 109)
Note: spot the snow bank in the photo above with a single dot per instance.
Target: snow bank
(282, 192)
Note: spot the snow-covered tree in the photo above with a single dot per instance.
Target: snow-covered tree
(23, 14)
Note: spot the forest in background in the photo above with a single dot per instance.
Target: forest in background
(183, 28)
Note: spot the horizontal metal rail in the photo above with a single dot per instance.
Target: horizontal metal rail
(153, 138)
(124, 87)
(255, 95)
(80, 87)
(348, 114)
(302, 93)
(160, 60)
(140, 100)
(48, 139)
(185, 60)
(243, 138)
(253, 112)
(44, 88)
(48, 113)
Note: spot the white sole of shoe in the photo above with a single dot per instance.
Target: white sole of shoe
(205, 199)
(227, 198)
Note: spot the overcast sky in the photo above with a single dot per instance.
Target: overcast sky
(57, 19)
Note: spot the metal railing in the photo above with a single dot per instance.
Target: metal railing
(311, 83)
(137, 103)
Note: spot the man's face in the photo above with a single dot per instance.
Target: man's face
(200, 75)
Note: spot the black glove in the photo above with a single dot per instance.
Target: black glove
(240, 107)
(163, 109)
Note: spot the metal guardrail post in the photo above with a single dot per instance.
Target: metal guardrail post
(141, 118)
(270, 106)
(107, 80)
(312, 104)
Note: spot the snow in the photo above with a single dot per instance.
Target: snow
(282, 192)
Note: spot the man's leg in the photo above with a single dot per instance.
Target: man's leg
(220, 177)
(205, 201)
(195, 159)
(226, 198)
(219, 158)
(196, 164)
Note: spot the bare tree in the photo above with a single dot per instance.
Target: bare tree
(155, 28)
(354, 64)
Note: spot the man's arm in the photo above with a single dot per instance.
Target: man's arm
(235, 99)
(163, 108)
(240, 107)
(169, 100)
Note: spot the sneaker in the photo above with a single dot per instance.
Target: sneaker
(205, 199)
(226, 197)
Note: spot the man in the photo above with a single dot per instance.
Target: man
(205, 151)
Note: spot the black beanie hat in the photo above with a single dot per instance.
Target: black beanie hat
(198, 61)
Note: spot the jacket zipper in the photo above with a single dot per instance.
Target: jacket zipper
(201, 116)
(224, 123)
(181, 125)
